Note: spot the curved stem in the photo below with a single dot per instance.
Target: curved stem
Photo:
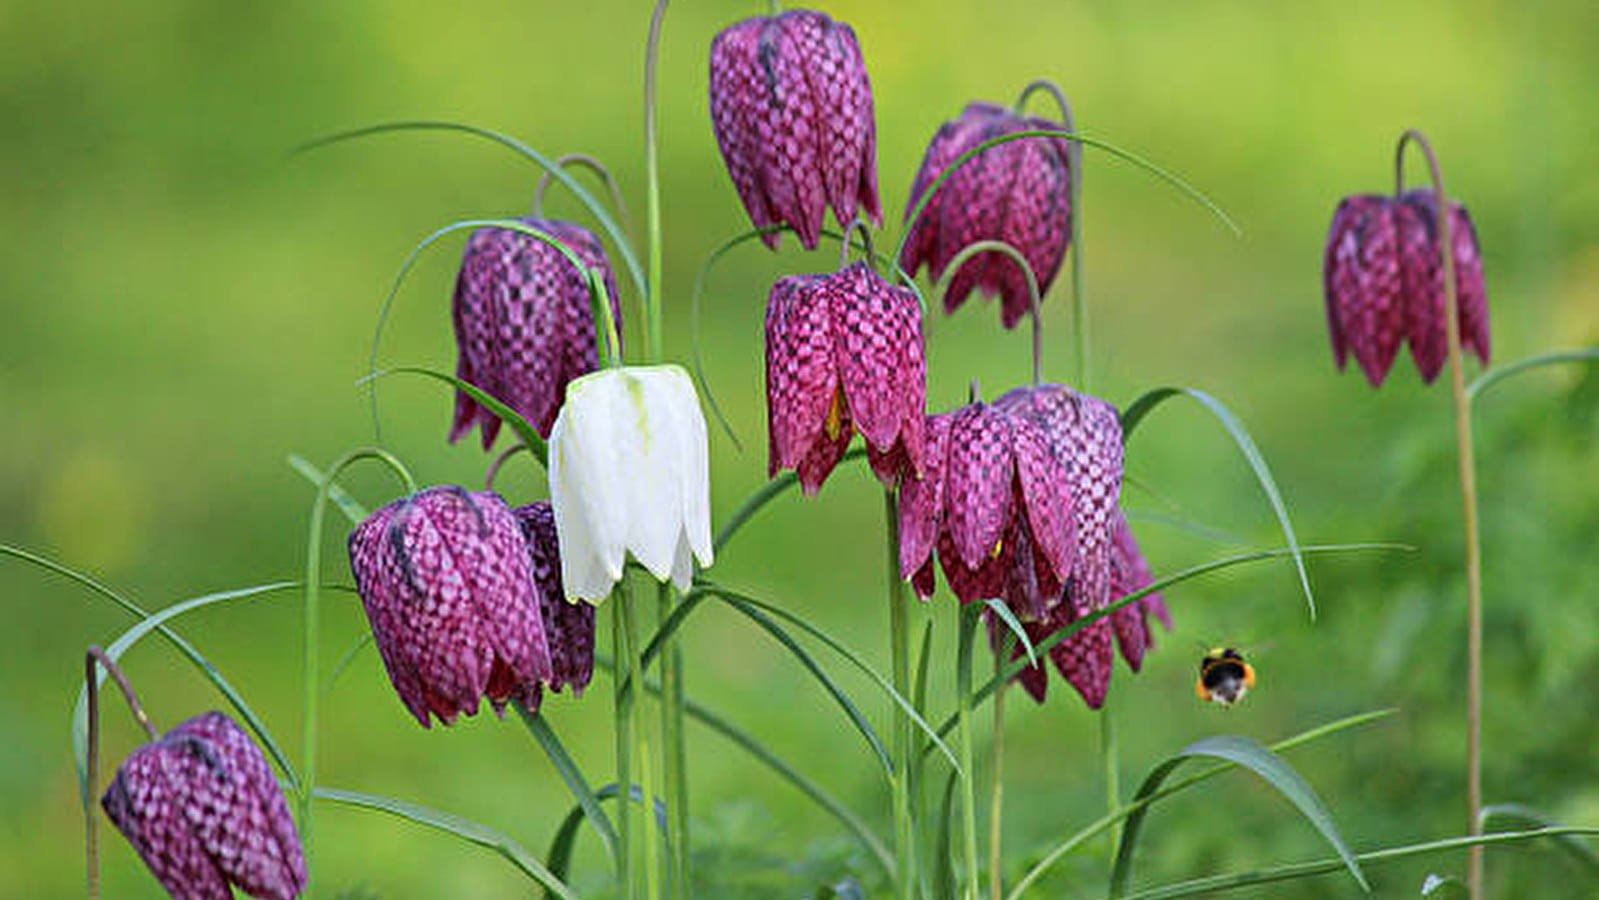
(904, 835)
(993, 246)
(494, 467)
(95, 656)
(1468, 499)
(1075, 207)
(653, 349)
(593, 165)
(310, 662)
(856, 224)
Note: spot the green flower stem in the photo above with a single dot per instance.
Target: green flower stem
(1110, 756)
(1468, 502)
(963, 691)
(91, 845)
(1033, 296)
(653, 347)
(310, 664)
(672, 745)
(1075, 190)
(593, 165)
(996, 797)
(899, 643)
(652, 862)
(622, 714)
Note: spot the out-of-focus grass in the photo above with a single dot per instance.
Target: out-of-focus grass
(183, 306)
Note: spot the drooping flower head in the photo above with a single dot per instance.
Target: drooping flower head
(792, 110)
(1384, 283)
(569, 627)
(995, 503)
(843, 354)
(629, 473)
(447, 584)
(202, 809)
(1129, 575)
(524, 324)
(1018, 192)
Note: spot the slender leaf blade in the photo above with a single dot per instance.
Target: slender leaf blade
(1494, 376)
(352, 508)
(1516, 816)
(587, 800)
(1014, 624)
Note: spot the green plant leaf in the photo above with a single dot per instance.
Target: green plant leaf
(471, 832)
(587, 800)
(509, 416)
(1493, 376)
(1015, 625)
(349, 657)
(1232, 880)
(944, 857)
(1246, 445)
(749, 606)
(560, 855)
(1250, 755)
(1514, 816)
(347, 504)
(1109, 820)
(765, 494)
(761, 753)
(1446, 887)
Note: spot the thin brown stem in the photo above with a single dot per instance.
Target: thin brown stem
(1468, 499)
(95, 656)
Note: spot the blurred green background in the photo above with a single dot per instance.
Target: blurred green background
(184, 306)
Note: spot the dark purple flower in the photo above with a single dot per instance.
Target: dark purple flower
(524, 325)
(1384, 284)
(447, 583)
(843, 354)
(201, 808)
(1017, 192)
(792, 110)
(569, 627)
(1130, 574)
(995, 503)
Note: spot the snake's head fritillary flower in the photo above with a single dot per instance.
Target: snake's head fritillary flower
(629, 474)
(447, 584)
(844, 354)
(1384, 283)
(1018, 192)
(995, 504)
(792, 110)
(524, 324)
(202, 809)
(1129, 575)
(1424, 282)
(569, 627)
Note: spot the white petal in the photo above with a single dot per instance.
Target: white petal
(585, 501)
(683, 565)
(695, 470)
(657, 495)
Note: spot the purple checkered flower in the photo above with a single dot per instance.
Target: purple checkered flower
(792, 110)
(995, 503)
(1384, 284)
(524, 324)
(569, 627)
(1130, 574)
(447, 583)
(1017, 192)
(843, 354)
(202, 809)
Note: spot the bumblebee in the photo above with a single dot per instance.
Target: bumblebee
(1224, 677)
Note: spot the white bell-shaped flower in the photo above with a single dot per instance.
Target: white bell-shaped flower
(629, 474)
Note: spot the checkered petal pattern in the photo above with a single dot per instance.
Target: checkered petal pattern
(1130, 574)
(447, 583)
(524, 325)
(569, 627)
(843, 354)
(201, 808)
(1384, 284)
(792, 110)
(1018, 192)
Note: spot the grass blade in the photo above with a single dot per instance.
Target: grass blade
(1015, 625)
(1246, 445)
(1493, 376)
(349, 656)
(944, 855)
(509, 416)
(587, 800)
(749, 606)
(561, 846)
(352, 508)
(1217, 883)
(471, 832)
(1514, 816)
(1246, 753)
(765, 494)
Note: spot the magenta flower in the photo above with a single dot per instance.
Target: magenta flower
(202, 809)
(1130, 574)
(569, 627)
(1384, 284)
(1017, 192)
(447, 583)
(792, 110)
(524, 325)
(995, 503)
(843, 354)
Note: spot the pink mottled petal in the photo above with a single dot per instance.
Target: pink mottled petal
(921, 500)
(801, 375)
(978, 483)
(1364, 283)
